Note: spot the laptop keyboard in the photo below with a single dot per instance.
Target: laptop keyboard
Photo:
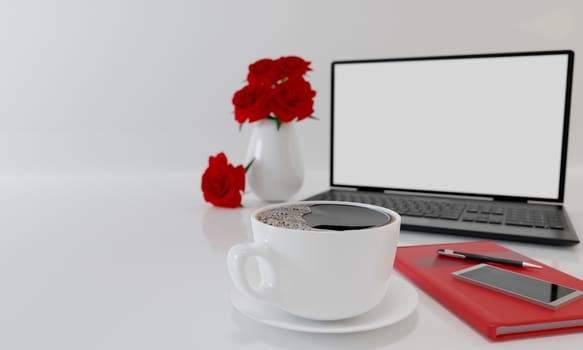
(453, 210)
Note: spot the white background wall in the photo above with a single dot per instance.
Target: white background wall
(132, 85)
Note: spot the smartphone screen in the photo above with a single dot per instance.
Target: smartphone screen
(538, 291)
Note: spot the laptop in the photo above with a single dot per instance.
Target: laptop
(472, 145)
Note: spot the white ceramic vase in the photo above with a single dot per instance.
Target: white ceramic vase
(277, 172)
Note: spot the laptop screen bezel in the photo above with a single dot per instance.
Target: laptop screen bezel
(565, 133)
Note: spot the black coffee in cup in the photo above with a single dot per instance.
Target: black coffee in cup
(325, 216)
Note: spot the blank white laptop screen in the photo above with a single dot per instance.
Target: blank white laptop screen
(482, 125)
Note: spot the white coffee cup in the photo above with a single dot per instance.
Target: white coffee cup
(318, 274)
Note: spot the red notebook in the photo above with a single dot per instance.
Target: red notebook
(495, 315)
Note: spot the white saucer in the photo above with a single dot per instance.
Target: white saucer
(401, 300)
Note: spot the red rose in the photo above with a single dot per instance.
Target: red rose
(294, 98)
(263, 71)
(293, 66)
(252, 103)
(222, 183)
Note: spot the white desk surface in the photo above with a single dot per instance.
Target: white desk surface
(134, 261)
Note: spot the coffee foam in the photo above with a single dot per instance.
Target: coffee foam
(287, 217)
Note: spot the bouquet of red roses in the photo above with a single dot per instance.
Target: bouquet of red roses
(276, 89)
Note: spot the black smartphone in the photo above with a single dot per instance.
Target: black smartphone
(540, 292)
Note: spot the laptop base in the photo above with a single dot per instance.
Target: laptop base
(524, 222)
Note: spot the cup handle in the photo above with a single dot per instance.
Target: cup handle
(237, 257)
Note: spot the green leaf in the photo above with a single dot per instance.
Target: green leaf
(278, 122)
(240, 127)
(249, 165)
(312, 117)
